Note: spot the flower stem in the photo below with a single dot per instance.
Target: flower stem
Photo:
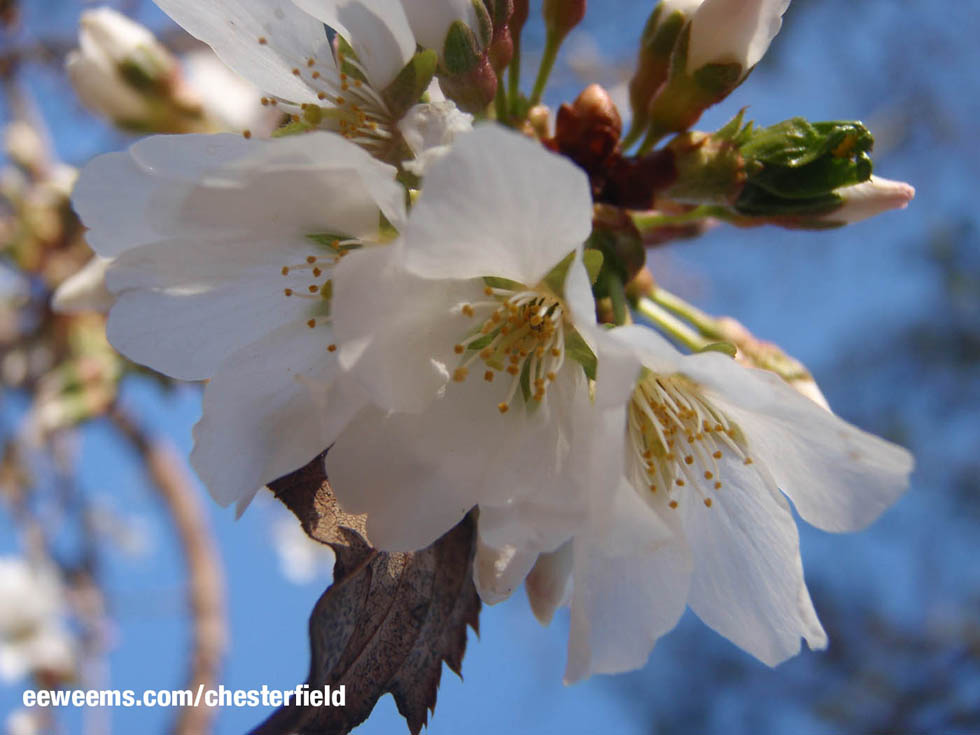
(617, 295)
(514, 79)
(500, 103)
(671, 324)
(645, 221)
(551, 46)
(703, 322)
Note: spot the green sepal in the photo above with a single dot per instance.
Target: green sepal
(578, 350)
(593, 260)
(332, 240)
(408, 87)
(504, 283)
(555, 280)
(461, 51)
(346, 51)
(294, 127)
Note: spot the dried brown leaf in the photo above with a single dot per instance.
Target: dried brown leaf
(386, 623)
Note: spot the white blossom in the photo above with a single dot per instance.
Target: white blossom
(33, 638)
(464, 305)
(223, 253)
(282, 47)
(696, 517)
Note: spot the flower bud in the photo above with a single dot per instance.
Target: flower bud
(588, 130)
(472, 90)
(433, 23)
(869, 198)
(561, 16)
(501, 47)
(653, 60)
(123, 73)
(522, 9)
(733, 32)
(713, 54)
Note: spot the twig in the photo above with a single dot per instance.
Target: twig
(205, 575)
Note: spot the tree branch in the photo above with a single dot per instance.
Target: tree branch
(205, 574)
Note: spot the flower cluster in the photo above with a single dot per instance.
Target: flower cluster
(447, 309)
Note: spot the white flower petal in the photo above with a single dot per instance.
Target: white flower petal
(263, 40)
(398, 336)
(257, 424)
(747, 582)
(548, 584)
(115, 192)
(839, 477)
(630, 587)
(498, 572)
(733, 31)
(182, 308)
(409, 499)
(377, 30)
(498, 204)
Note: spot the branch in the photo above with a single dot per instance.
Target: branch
(205, 574)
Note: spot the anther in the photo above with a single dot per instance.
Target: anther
(311, 323)
(673, 504)
(331, 348)
(488, 376)
(460, 374)
(707, 502)
(503, 407)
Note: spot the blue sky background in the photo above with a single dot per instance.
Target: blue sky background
(887, 316)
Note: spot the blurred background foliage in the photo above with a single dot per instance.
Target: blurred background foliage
(886, 314)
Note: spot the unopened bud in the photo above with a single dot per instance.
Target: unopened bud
(653, 60)
(561, 16)
(797, 169)
(713, 54)
(431, 20)
(122, 72)
(588, 130)
(461, 51)
(501, 47)
(733, 32)
(870, 198)
(473, 90)
(522, 9)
